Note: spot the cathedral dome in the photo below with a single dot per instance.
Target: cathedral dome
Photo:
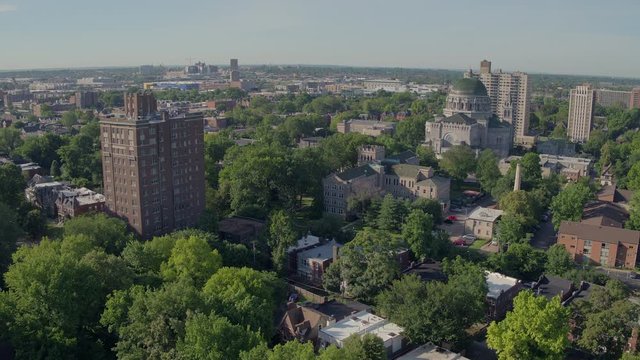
(469, 86)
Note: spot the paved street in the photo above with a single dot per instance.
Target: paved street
(622, 275)
(545, 237)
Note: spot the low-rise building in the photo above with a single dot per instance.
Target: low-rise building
(240, 229)
(600, 245)
(482, 222)
(75, 202)
(366, 127)
(501, 291)
(313, 262)
(430, 351)
(303, 322)
(571, 167)
(363, 323)
(43, 193)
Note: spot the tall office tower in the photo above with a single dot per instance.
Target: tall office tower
(509, 93)
(233, 64)
(634, 102)
(234, 76)
(581, 101)
(86, 99)
(153, 166)
(234, 72)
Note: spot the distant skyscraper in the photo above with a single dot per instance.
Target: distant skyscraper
(86, 99)
(233, 64)
(581, 101)
(234, 72)
(509, 93)
(634, 102)
(153, 166)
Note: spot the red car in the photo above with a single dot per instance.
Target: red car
(459, 242)
(452, 218)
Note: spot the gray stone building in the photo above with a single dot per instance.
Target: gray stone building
(468, 120)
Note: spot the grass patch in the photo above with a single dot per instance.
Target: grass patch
(478, 244)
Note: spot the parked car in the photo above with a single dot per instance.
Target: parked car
(459, 242)
(447, 221)
(452, 217)
(468, 239)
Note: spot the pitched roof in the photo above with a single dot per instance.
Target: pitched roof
(485, 214)
(460, 118)
(356, 172)
(607, 234)
(407, 170)
(401, 157)
(435, 181)
(605, 214)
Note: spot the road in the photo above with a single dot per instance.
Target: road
(622, 275)
(545, 237)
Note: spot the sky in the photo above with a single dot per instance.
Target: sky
(587, 37)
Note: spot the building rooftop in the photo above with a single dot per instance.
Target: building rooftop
(356, 172)
(304, 242)
(411, 171)
(339, 310)
(604, 213)
(401, 157)
(321, 253)
(431, 352)
(362, 323)
(498, 283)
(459, 118)
(469, 86)
(485, 214)
(607, 234)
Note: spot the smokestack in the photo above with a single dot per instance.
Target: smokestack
(517, 183)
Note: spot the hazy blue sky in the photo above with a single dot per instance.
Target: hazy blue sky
(556, 36)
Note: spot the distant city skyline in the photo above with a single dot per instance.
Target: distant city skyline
(571, 37)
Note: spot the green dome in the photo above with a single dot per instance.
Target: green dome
(469, 86)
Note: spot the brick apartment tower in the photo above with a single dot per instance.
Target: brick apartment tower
(153, 166)
(510, 98)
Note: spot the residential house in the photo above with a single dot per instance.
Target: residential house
(501, 291)
(600, 245)
(240, 229)
(303, 322)
(313, 262)
(74, 202)
(360, 324)
(482, 222)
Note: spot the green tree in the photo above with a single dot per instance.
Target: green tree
(9, 232)
(391, 214)
(291, 350)
(367, 264)
(42, 149)
(558, 260)
(55, 293)
(282, 235)
(246, 297)
(417, 232)
(458, 162)
(69, 119)
(429, 206)
(106, 232)
(410, 131)
(426, 156)
(148, 323)
(214, 338)
(12, 185)
(633, 222)
(521, 261)
(520, 204)
(9, 140)
(437, 311)
(510, 230)
(531, 171)
(487, 170)
(606, 332)
(191, 258)
(366, 347)
(535, 329)
(568, 204)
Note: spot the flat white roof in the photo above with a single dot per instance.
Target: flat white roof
(321, 252)
(497, 283)
(305, 241)
(431, 352)
(485, 214)
(361, 323)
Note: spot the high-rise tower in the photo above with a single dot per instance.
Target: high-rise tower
(153, 166)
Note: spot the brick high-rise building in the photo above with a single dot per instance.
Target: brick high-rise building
(510, 98)
(581, 101)
(608, 98)
(153, 166)
(86, 99)
(634, 102)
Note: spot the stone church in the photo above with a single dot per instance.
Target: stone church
(468, 120)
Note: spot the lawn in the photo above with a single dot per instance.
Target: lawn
(478, 244)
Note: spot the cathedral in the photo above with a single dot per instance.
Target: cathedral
(468, 120)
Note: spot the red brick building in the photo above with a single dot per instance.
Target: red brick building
(153, 166)
(600, 245)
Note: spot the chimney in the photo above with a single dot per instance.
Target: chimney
(518, 181)
(335, 252)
